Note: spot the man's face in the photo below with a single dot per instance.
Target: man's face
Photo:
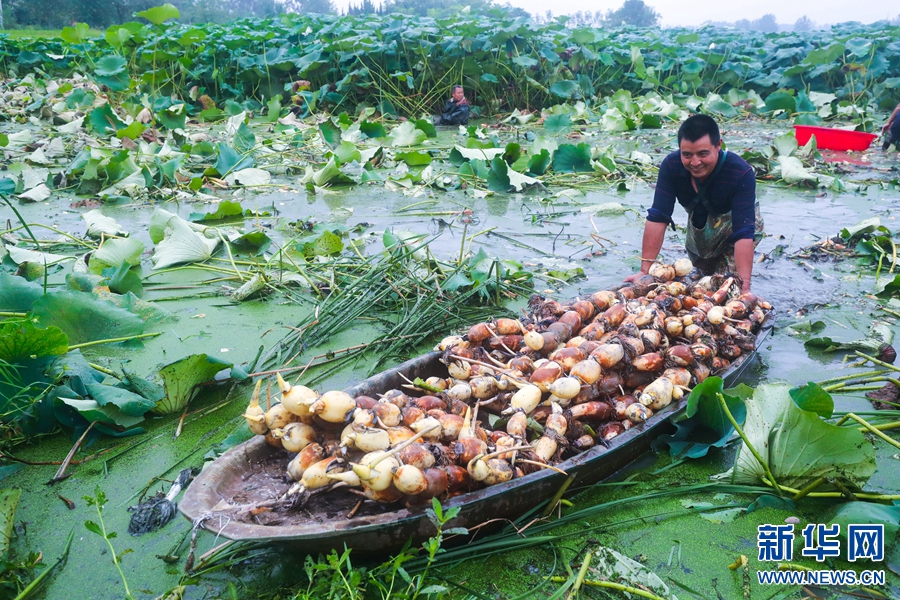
(699, 157)
(458, 94)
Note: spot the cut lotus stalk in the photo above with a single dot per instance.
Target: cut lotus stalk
(255, 415)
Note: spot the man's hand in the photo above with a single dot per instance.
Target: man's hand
(634, 277)
(463, 101)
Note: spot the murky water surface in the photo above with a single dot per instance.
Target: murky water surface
(537, 229)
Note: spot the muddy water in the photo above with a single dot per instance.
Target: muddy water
(539, 230)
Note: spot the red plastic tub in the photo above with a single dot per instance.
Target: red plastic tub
(834, 139)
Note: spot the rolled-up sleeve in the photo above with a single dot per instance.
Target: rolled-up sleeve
(664, 197)
(743, 208)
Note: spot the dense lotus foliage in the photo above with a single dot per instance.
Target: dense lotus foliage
(405, 65)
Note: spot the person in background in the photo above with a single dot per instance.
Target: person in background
(717, 188)
(891, 131)
(456, 111)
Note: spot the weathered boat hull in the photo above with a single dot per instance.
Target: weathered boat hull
(376, 533)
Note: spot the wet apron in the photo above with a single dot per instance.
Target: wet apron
(708, 246)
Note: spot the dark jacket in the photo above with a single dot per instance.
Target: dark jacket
(455, 114)
(733, 190)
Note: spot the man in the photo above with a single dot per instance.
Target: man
(891, 131)
(718, 190)
(456, 111)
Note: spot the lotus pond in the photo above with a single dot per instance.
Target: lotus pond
(152, 267)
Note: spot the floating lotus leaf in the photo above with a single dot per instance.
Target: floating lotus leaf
(182, 244)
(182, 376)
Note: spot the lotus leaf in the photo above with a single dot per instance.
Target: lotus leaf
(123, 279)
(793, 171)
(17, 294)
(24, 340)
(99, 225)
(110, 414)
(131, 404)
(159, 14)
(813, 398)
(555, 124)
(22, 255)
(704, 424)
(37, 194)
(249, 177)
(226, 209)
(115, 252)
(572, 159)
(182, 244)
(181, 377)
(76, 34)
(869, 513)
(798, 445)
(9, 499)
(85, 318)
(104, 121)
(406, 134)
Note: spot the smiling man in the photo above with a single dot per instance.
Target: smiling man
(717, 188)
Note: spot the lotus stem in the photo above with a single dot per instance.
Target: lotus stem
(858, 495)
(559, 494)
(809, 488)
(614, 586)
(230, 256)
(13, 315)
(114, 340)
(104, 370)
(851, 376)
(889, 311)
(582, 572)
(756, 455)
(869, 427)
(37, 581)
(877, 362)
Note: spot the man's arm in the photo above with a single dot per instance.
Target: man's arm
(650, 246)
(743, 262)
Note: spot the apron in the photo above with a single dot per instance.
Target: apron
(708, 246)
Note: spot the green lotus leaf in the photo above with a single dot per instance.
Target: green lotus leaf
(24, 340)
(159, 14)
(114, 252)
(85, 318)
(129, 403)
(181, 377)
(111, 64)
(406, 134)
(17, 294)
(569, 158)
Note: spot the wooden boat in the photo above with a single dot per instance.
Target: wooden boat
(257, 466)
